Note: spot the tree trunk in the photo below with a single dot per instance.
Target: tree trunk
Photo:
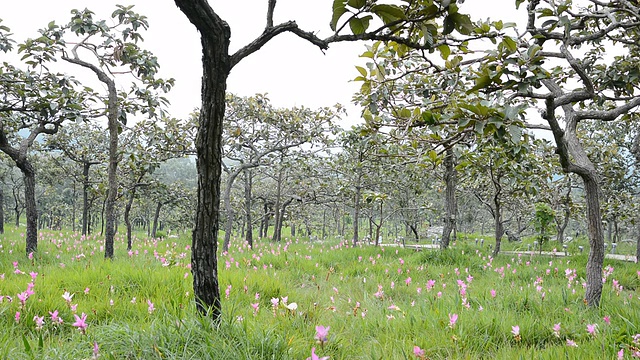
(596, 239)
(293, 229)
(277, 236)
(127, 211)
(85, 198)
(248, 183)
(449, 198)
(214, 35)
(499, 226)
(231, 215)
(156, 215)
(1, 211)
(356, 212)
(30, 206)
(277, 227)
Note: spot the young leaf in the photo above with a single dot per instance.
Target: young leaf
(339, 9)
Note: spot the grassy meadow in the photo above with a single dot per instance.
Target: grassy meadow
(281, 300)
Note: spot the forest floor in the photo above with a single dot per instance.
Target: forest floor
(286, 300)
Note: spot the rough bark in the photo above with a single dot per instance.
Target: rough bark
(277, 228)
(449, 198)
(30, 206)
(216, 63)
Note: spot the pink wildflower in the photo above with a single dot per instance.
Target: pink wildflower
(591, 329)
(453, 318)
(39, 320)
(556, 329)
(80, 322)
(322, 333)
(571, 343)
(151, 307)
(419, 353)
(316, 357)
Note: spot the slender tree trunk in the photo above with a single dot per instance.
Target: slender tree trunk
(596, 239)
(85, 198)
(499, 226)
(156, 215)
(127, 211)
(277, 236)
(30, 206)
(356, 212)
(1, 210)
(449, 198)
(248, 184)
(231, 215)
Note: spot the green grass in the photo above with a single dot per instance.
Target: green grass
(362, 293)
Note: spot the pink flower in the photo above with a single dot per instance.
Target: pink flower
(80, 322)
(316, 357)
(55, 318)
(515, 330)
(556, 329)
(67, 297)
(17, 317)
(453, 318)
(408, 281)
(255, 307)
(151, 307)
(96, 350)
(591, 329)
(420, 353)
(607, 320)
(493, 293)
(86, 291)
(571, 343)
(621, 354)
(39, 320)
(322, 333)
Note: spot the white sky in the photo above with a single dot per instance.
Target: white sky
(292, 71)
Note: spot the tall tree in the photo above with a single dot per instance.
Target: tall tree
(108, 51)
(563, 59)
(398, 24)
(35, 102)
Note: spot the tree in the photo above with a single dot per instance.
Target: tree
(108, 51)
(256, 133)
(35, 102)
(398, 25)
(562, 59)
(84, 145)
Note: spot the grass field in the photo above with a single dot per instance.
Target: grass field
(67, 302)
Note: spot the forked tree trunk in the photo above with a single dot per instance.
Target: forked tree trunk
(449, 198)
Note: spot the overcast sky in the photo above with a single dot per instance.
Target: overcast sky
(292, 71)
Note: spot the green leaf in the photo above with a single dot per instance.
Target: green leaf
(449, 25)
(481, 83)
(388, 13)
(359, 26)
(358, 4)
(510, 44)
(445, 51)
(339, 9)
(433, 155)
(362, 71)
